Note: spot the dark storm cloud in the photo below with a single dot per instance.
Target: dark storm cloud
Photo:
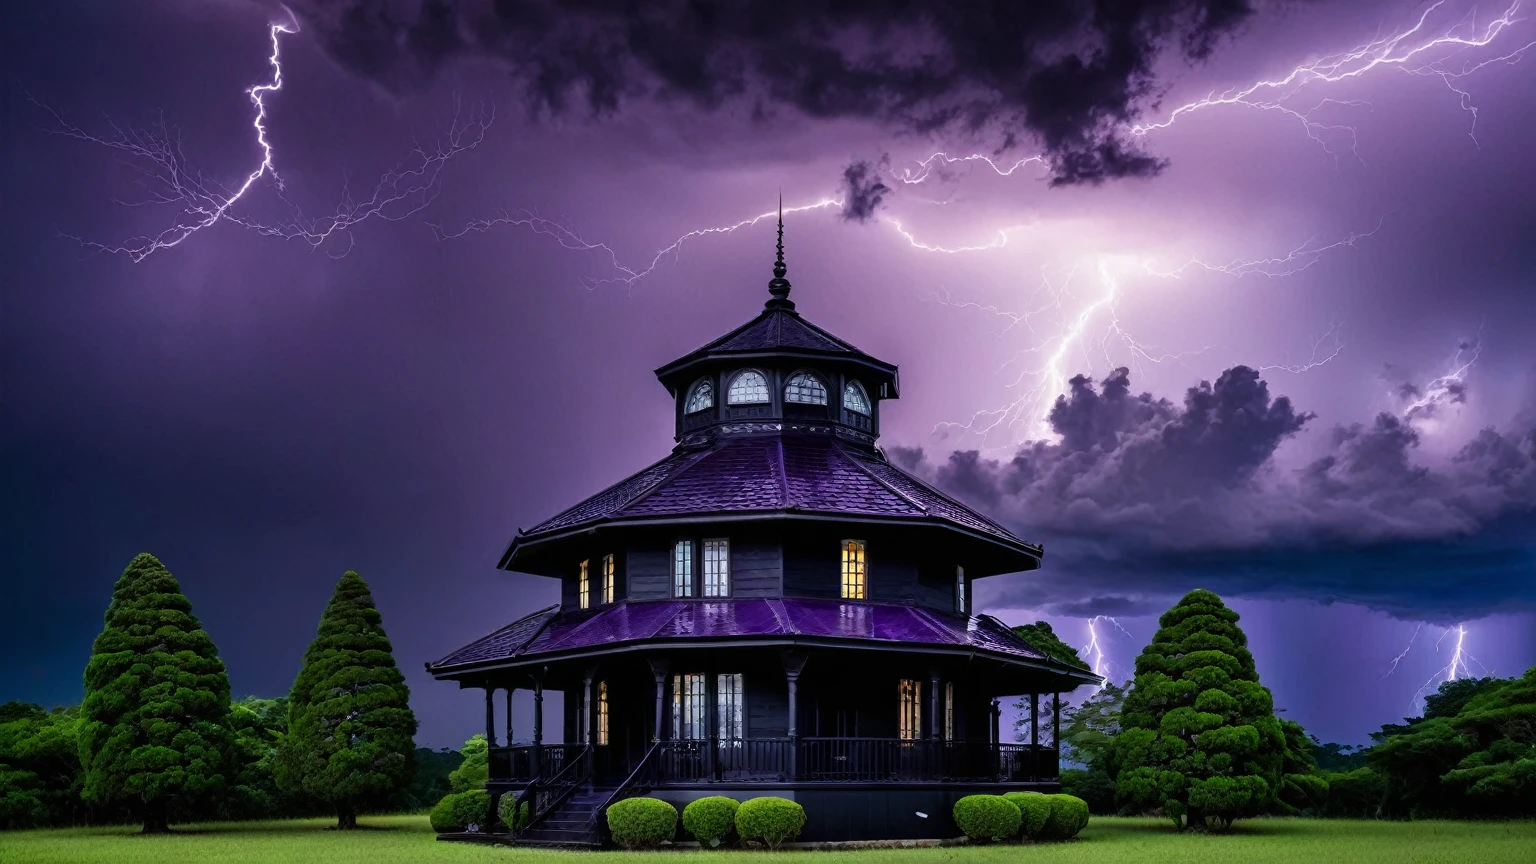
(863, 190)
(1142, 498)
(1066, 73)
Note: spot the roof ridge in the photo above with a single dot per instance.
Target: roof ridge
(859, 464)
(683, 465)
(554, 607)
(927, 618)
(958, 503)
(820, 331)
(781, 615)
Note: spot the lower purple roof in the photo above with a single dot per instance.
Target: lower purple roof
(549, 632)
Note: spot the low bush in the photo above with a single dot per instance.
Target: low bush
(1069, 815)
(1034, 809)
(458, 811)
(641, 823)
(504, 810)
(710, 819)
(987, 817)
(769, 820)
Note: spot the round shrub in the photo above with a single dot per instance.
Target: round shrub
(1034, 809)
(710, 819)
(987, 817)
(504, 810)
(640, 823)
(1069, 815)
(458, 811)
(770, 820)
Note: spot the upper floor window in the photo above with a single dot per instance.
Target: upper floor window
(960, 589)
(700, 398)
(747, 388)
(717, 568)
(855, 399)
(805, 389)
(853, 569)
(583, 587)
(949, 710)
(682, 569)
(608, 586)
(910, 710)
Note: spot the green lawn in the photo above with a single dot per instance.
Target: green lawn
(408, 840)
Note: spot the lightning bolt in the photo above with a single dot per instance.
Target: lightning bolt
(1458, 667)
(1094, 650)
(156, 154)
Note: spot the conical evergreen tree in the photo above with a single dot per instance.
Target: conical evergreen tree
(1199, 736)
(350, 726)
(153, 727)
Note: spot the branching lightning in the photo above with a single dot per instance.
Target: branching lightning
(156, 154)
(1460, 665)
(1094, 651)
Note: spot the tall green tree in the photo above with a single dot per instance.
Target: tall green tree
(153, 728)
(39, 766)
(475, 768)
(350, 726)
(1200, 739)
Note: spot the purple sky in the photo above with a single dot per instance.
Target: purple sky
(263, 416)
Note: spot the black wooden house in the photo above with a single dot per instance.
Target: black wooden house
(772, 609)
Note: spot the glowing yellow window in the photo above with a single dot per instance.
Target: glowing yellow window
(608, 593)
(853, 569)
(583, 588)
(602, 712)
(910, 720)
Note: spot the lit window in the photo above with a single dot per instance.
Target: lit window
(911, 716)
(702, 397)
(728, 693)
(960, 590)
(855, 400)
(602, 712)
(748, 388)
(682, 569)
(949, 710)
(584, 588)
(717, 568)
(688, 707)
(853, 569)
(806, 390)
(608, 592)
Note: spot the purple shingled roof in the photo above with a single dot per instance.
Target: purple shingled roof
(772, 330)
(549, 632)
(801, 473)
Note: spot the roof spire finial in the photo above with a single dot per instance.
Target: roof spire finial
(778, 287)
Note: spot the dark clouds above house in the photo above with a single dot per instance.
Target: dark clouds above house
(1141, 498)
(1063, 75)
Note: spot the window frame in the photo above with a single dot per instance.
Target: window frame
(584, 585)
(697, 700)
(909, 709)
(826, 394)
(869, 405)
(949, 710)
(701, 384)
(602, 714)
(610, 590)
(705, 561)
(767, 399)
(861, 562)
(692, 562)
(739, 703)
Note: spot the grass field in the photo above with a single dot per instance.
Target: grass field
(408, 840)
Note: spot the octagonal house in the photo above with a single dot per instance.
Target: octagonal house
(772, 609)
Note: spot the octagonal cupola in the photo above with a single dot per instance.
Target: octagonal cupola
(776, 373)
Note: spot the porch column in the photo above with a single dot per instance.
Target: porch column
(1034, 736)
(509, 715)
(490, 716)
(995, 716)
(659, 670)
(538, 722)
(933, 706)
(794, 664)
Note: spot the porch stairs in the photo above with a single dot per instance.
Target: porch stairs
(572, 823)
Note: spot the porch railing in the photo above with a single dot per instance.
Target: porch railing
(516, 763)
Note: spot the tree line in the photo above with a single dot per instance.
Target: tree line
(158, 740)
(1194, 737)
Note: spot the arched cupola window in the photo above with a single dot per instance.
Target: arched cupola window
(855, 399)
(805, 389)
(700, 398)
(747, 388)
